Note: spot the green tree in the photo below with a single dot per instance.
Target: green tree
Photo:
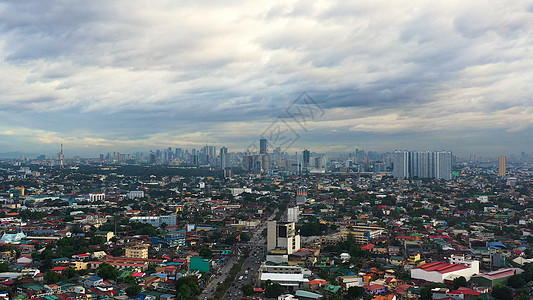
(4, 267)
(184, 291)
(273, 290)
(117, 251)
(355, 292)
(206, 252)
(133, 290)
(107, 272)
(51, 277)
(425, 292)
(245, 237)
(69, 273)
(187, 287)
(502, 293)
(97, 240)
(459, 282)
(151, 269)
(516, 281)
(247, 290)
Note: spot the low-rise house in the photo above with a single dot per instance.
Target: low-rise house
(93, 281)
(375, 289)
(495, 278)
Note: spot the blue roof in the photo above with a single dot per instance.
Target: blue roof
(496, 245)
(60, 259)
(94, 278)
(141, 296)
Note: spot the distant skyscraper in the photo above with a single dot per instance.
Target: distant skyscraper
(263, 146)
(443, 165)
(502, 165)
(306, 158)
(277, 154)
(256, 163)
(425, 164)
(224, 158)
(400, 160)
(61, 157)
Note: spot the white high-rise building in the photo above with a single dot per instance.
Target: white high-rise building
(426, 164)
(292, 214)
(443, 165)
(224, 158)
(282, 236)
(400, 161)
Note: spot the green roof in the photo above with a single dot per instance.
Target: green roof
(124, 273)
(332, 288)
(32, 286)
(153, 293)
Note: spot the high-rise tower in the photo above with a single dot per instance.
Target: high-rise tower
(61, 157)
(306, 159)
(263, 146)
(502, 165)
(434, 164)
(224, 158)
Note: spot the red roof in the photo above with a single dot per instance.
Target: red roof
(374, 287)
(441, 267)
(368, 247)
(318, 281)
(498, 274)
(465, 291)
(59, 269)
(405, 286)
(400, 291)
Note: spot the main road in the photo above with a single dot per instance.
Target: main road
(257, 246)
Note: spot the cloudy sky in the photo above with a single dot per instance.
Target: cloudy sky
(105, 76)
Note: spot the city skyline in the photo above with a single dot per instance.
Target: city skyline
(409, 75)
(263, 149)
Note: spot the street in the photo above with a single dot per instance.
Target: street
(250, 267)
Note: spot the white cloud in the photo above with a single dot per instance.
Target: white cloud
(139, 74)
